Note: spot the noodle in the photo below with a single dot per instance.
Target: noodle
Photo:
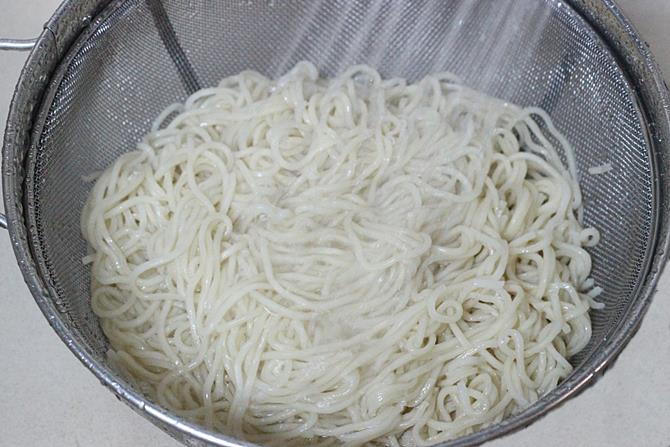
(600, 169)
(353, 260)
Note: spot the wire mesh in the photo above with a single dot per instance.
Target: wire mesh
(138, 58)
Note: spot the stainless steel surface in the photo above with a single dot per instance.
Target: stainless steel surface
(14, 45)
(605, 95)
(17, 44)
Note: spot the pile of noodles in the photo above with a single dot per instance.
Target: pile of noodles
(349, 260)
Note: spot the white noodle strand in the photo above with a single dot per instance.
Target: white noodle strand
(346, 261)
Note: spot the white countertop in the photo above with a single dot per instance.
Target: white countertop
(47, 398)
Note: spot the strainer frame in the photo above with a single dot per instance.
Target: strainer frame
(74, 17)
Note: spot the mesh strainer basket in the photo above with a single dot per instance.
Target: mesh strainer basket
(102, 70)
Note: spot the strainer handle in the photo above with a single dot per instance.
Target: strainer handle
(14, 45)
(17, 44)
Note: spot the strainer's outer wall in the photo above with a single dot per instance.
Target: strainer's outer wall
(80, 104)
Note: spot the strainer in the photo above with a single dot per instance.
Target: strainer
(101, 70)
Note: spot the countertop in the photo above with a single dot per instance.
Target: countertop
(48, 398)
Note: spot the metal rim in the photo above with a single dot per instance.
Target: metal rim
(73, 19)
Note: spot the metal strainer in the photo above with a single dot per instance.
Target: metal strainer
(101, 71)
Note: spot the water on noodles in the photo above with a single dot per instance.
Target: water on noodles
(355, 260)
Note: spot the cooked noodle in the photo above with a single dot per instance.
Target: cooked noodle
(600, 169)
(346, 260)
